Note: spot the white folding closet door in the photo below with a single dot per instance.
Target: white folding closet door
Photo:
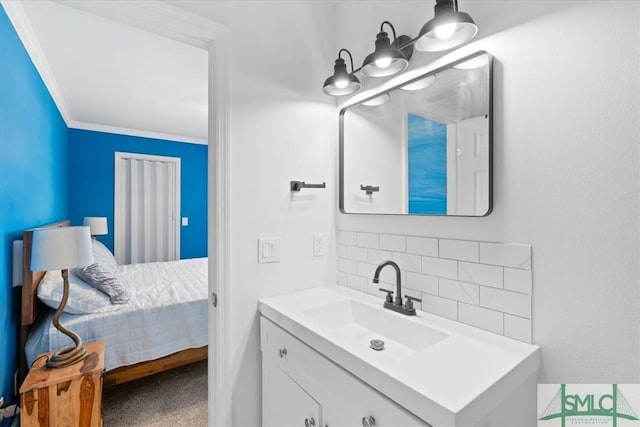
(147, 208)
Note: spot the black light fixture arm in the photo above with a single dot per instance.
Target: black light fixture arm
(393, 30)
(350, 57)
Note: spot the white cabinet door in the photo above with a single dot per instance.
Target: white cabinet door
(357, 404)
(286, 404)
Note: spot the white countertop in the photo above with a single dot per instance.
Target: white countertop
(455, 381)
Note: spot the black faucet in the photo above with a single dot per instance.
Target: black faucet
(395, 304)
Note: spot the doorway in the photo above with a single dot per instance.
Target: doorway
(147, 208)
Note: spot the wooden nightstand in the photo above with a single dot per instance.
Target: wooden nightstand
(70, 396)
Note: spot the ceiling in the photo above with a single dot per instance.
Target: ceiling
(110, 76)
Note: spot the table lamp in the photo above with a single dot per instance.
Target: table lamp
(62, 248)
(97, 225)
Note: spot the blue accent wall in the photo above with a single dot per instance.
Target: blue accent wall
(92, 181)
(33, 186)
(427, 166)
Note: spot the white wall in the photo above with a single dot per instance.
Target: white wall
(374, 157)
(282, 128)
(565, 167)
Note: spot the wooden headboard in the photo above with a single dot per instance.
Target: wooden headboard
(30, 305)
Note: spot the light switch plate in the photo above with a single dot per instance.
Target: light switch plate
(268, 249)
(185, 221)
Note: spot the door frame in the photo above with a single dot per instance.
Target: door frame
(202, 32)
(119, 194)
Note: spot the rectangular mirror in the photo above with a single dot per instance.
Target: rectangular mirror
(422, 148)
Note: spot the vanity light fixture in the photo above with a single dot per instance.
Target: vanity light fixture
(388, 59)
(341, 82)
(449, 28)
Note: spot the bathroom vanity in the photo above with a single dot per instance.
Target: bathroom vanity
(319, 367)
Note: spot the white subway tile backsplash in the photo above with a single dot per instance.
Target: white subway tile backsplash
(347, 266)
(347, 238)
(342, 278)
(408, 262)
(440, 306)
(506, 301)
(342, 251)
(517, 280)
(393, 242)
(368, 240)
(459, 291)
(366, 270)
(422, 246)
(422, 283)
(481, 318)
(357, 282)
(488, 275)
(506, 254)
(517, 327)
(377, 256)
(440, 267)
(357, 254)
(459, 249)
(486, 285)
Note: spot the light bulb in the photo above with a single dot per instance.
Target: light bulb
(445, 31)
(383, 62)
(341, 84)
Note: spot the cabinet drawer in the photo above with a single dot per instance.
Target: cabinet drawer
(344, 398)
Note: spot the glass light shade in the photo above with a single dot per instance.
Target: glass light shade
(378, 100)
(97, 225)
(420, 84)
(61, 248)
(458, 26)
(386, 60)
(341, 82)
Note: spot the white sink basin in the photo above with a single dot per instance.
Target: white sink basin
(363, 323)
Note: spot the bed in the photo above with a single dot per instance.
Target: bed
(164, 324)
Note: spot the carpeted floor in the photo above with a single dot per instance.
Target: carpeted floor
(174, 398)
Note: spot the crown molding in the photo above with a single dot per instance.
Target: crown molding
(155, 16)
(136, 132)
(21, 23)
(152, 15)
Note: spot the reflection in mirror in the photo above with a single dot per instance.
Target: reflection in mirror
(427, 147)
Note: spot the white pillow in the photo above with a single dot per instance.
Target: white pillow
(83, 298)
(102, 254)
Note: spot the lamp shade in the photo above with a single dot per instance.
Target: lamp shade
(341, 82)
(97, 225)
(448, 29)
(61, 248)
(386, 60)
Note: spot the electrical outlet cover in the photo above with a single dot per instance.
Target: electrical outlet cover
(318, 245)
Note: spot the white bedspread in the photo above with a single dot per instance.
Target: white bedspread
(167, 313)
